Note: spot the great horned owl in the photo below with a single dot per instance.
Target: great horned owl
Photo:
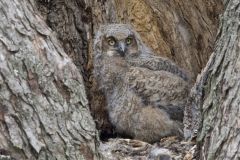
(145, 94)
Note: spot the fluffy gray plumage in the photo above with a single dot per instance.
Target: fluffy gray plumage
(145, 94)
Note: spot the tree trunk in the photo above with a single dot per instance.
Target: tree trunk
(40, 84)
(216, 94)
(182, 31)
(43, 105)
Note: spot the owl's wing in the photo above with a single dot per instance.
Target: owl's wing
(157, 63)
(160, 89)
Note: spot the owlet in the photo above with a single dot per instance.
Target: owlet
(145, 94)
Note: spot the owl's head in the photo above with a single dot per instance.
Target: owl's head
(119, 40)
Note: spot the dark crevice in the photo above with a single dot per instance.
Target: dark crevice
(62, 89)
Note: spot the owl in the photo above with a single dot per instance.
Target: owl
(145, 94)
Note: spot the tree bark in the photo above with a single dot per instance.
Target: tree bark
(182, 31)
(216, 95)
(43, 105)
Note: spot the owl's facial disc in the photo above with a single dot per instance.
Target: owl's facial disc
(120, 45)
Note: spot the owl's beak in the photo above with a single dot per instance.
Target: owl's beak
(122, 49)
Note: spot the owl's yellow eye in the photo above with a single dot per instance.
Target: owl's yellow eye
(129, 40)
(111, 41)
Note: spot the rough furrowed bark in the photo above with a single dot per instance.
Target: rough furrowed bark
(43, 106)
(71, 19)
(216, 93)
